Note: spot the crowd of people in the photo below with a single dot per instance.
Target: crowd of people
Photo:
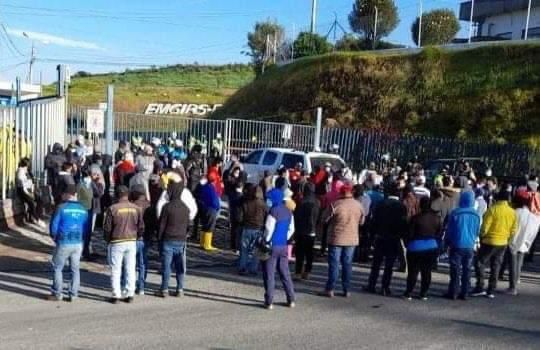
(158, 194)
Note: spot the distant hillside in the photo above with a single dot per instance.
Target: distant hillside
(490, 92)
(134, 89)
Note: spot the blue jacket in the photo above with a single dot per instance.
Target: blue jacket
(463, 223)
(208, 198)
(279, 219)
(69, 223)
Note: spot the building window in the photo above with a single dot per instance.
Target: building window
(533, 33)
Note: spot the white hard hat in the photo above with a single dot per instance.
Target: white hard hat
(178, 143)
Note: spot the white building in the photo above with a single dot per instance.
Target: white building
(8, 93)
(505, 19)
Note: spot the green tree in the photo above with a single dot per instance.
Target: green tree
(438, 27)
(310, 44)
(265, 34)
(349, 42)
(362, 19)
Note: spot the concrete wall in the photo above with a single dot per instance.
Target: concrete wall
(513, 22)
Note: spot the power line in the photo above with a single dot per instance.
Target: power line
(10, 41)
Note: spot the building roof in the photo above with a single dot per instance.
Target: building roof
(489, 8)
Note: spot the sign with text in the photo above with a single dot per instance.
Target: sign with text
(95, 121)
(180, 108)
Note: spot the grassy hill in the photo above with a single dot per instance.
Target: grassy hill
(134, 89)
(490, 92)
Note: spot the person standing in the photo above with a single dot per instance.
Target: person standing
(461, 235)
(279, 227)
(209, 205)
(499, 226)
(25, 191)
(521, 243)
(422, 247)
(344, 217)
(306, 218)
(172, 235)
(389, 227)
(143, 243)
(67, 229)
(122, 226)
(251, 215)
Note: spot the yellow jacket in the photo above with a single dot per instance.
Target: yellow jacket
(499, 225)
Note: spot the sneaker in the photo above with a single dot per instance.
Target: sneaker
(179, 293)
(72, 298)
(305, 276)
(53, 297)
(163, 293)
(407, 296)
(113, 300)
(326, 293)
(478, 293)
(269, 306)
(490, 295)
(511, 291)
(291, 304)
(462, 297)
(41, 224)
(386, 292)
(129, 300)
(139, 292)
(424, 297)
(346, 294)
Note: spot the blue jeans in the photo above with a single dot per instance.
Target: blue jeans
(173, 252)
(460, 271)
(59, 258)
(142, 263)
(248, 261)
(337, 255)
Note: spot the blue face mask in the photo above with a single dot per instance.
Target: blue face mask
(268, 203)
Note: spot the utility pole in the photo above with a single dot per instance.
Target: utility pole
(294, 38)
(375, 27)
(526, 34)
(471, 21)
(32, 59)
(313, 15)
(274, 48)
(420, 25)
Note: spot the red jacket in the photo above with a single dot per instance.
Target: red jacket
(214, 177)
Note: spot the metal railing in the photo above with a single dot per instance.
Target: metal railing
(28, 130)
(357, 147)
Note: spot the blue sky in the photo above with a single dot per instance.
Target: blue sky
(110, 35)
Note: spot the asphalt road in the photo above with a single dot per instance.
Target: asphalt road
(222, 310)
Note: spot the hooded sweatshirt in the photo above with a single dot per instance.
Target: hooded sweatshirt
(499, 225)
(174, 220)
(463, 223)
(252, 212)
(307, 213)
(279, 225)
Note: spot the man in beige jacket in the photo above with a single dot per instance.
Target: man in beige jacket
(344, 218)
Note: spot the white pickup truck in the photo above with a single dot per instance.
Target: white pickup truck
(263, 159)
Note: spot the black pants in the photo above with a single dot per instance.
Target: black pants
(492, 255)
(324, 240)
(529, 257)
(304, 252)
(505, 263)
(387, 250)
(235, 235)
(420, 262)
(31, 213)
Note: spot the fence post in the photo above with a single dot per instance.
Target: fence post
(109, 126)
(317, 144)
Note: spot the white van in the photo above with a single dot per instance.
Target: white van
(263, 159)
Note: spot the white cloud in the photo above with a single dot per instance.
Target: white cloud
(54, 40)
